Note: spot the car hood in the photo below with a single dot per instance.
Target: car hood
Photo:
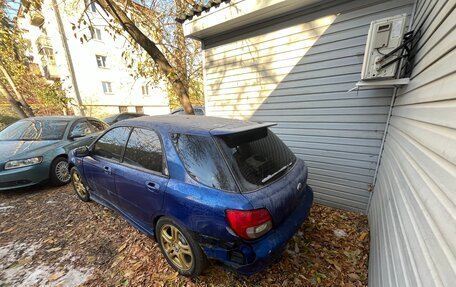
(23, 149)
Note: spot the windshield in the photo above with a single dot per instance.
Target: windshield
(257, 157)
(35, 130)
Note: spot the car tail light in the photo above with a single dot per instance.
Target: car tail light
(249, 224)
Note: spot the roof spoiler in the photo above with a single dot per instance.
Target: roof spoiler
(227, 130)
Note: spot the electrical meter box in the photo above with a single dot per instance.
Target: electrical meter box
(384, 36)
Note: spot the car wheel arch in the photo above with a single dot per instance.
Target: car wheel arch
(157, 218)
(55, 158)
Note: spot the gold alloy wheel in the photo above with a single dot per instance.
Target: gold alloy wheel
(78, 185)
(176, 247)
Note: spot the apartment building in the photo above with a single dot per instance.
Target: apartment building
(87, 62)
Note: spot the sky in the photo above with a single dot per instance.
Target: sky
(13, 6)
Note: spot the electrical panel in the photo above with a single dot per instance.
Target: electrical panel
(384, 36)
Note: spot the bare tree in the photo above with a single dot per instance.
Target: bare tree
(14, 104)
(120, 16)
(28, 111)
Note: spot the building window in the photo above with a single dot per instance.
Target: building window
(91, 6)
(107, 88)
(139, 109)
(101, 61)
(145, 90)
(96, 34)
(47, 56)
(123, 109)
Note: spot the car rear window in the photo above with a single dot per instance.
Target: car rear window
(203, 161)
(257, 157)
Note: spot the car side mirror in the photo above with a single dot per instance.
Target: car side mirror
(82, 151)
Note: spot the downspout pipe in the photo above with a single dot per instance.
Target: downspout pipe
(68, 56)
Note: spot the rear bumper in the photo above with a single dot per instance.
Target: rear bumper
(260, 254)
(23, 176)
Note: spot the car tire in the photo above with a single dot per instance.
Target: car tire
(78, 185)
(60, 174)
(181, 251)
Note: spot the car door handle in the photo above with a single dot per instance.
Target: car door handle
(153, 186)
(107, 170)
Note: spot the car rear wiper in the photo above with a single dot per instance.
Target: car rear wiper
(276, 173)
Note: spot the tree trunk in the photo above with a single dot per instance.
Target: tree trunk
(14, 104)
(181, 59)
(127, 24)
(25, 107)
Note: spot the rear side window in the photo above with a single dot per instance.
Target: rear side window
(112, 143)
(257, 157)
(82, 128)
(98, 126)
(144, 150)
(203, 161)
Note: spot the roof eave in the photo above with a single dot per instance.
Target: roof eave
(236, 14)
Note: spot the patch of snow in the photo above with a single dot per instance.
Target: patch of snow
(33, 277)
(17, 268)
(5, 208)
(73, 278)
(68, 257)
(339, 233)
(14, 251)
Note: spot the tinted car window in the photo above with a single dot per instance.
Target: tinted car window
(203, 161)
(124, 117)
(36, 130)
(81, 128)
(257, 157)
(199, 112)
(179, 112)
(144, 150)
(112, 143)
(110, 119)
(97, 126)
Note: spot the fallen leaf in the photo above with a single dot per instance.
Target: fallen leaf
(353, 276)
(54, 249)
(129, 273)
(171, 276)
(55, 276)
(363, 236)
(136, 266)
(122, 247)
(8, 230)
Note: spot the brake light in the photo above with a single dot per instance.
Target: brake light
(249, 224)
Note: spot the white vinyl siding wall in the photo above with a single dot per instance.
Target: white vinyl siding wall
(413, 211)
(296, 71)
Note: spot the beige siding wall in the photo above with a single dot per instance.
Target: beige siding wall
(413, 209)
(296, 71)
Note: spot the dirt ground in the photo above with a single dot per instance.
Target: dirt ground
(50, 238)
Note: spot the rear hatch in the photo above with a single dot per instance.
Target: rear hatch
(267, 172)
(283, 195)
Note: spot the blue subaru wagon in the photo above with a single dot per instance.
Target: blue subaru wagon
(203, 187)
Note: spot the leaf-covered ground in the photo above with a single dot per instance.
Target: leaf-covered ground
(50, 238)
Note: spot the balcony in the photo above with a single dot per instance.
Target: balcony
(51, 72)
(43, 42)
(36, 18)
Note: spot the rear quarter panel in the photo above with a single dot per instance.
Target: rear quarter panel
(199, 208)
